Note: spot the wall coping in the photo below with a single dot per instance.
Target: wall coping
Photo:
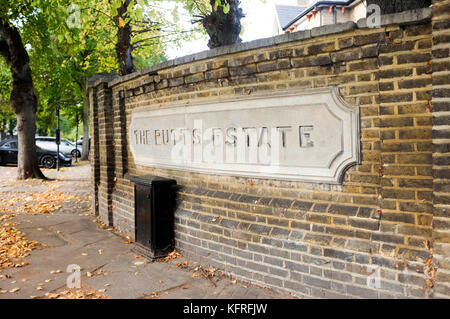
(403, 18)
(99, 78)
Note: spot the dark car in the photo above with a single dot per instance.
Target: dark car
(47, 159)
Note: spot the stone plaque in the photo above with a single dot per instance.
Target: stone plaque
(304, 135)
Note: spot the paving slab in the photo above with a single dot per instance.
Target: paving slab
(106, 261)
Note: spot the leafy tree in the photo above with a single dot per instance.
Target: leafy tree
(7, 118)
(23, 100)
(222, 20)
(59, 44)
(135, 28)
(83, 42)
(62, 59)
(111, 35)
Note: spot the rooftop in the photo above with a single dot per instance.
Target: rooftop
(287, 13)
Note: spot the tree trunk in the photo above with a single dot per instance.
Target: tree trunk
(3, 129)
(223, 28)
(26, 157)
(85, 148)
(124, 47)
(11, 127)
(23, 100)
(394, 6)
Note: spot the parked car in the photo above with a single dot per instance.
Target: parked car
(80, 141)
(66, 147)
(47, 159)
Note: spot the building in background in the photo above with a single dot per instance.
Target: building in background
(286, 11)
(301, 15)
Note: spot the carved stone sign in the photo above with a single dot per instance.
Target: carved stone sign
(305, 135)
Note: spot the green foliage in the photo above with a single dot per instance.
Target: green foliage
(69, 41)
(225, 6)
(6, 113)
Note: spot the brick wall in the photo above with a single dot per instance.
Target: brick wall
(388, 217)
(94, 151)
(441, 149)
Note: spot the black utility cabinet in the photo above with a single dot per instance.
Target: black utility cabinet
(154, 205)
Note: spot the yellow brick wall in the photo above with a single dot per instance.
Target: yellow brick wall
(309, 239)
(438, 271)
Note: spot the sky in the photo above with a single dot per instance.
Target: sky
(257, 23)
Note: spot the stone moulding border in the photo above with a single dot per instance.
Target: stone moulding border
(353, 149)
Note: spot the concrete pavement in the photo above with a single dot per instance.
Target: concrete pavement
(108, 266)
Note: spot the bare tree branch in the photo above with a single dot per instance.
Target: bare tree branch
(143, 45)
(159, 36)
(144, 31)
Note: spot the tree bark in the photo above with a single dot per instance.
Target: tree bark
(23, 100)
(11, 126)
(85, 147)
(394, 6)
(223, 28)
(3, 129)
(124, 47)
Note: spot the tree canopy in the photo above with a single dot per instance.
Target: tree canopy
(69, 41)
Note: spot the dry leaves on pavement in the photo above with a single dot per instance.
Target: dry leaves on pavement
(172, 255)
(39, 202)
(80, 293)
(13, 244)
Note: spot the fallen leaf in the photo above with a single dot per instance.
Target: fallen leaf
(154, 295)
(137, 256)
(184, 287)
(14, 290)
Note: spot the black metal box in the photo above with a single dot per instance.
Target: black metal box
(154, 200)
